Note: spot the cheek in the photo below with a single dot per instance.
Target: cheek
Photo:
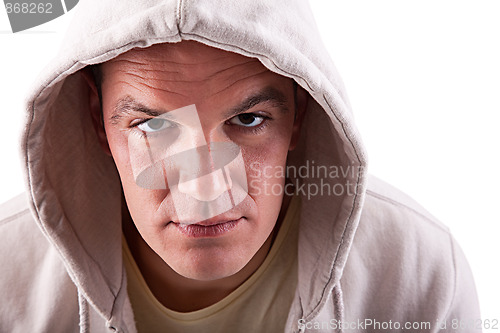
(265, 168)
(141, 202)
(265, 173)
(266, 161)
(121, 156)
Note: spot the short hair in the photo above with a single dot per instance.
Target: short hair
(97, 74)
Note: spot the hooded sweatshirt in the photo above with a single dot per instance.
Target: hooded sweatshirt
(369, 258)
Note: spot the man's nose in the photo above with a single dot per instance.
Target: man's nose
(203, 172)
(206, 187)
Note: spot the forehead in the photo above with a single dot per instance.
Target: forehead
(185, 57)
(179, 65)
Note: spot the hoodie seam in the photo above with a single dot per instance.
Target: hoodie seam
(14, 217)
(400, 204)
(120, 290)
(179, 15)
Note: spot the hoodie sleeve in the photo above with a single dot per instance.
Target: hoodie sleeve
(463, 314)
(406, 267)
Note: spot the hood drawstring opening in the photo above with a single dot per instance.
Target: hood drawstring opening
(84, 313)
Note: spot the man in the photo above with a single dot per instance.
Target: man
(205, 174)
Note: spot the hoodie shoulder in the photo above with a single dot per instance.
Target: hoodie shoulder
(14, 209)
(382, 192)
(404, 264)
(37, 293)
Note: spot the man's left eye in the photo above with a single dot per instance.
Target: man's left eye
(154, 125)
(247, 120)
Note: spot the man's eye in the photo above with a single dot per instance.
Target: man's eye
(154, 125)
(247, 120)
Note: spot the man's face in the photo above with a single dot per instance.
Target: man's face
(235, 100)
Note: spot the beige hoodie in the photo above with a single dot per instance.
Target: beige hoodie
(368, 255)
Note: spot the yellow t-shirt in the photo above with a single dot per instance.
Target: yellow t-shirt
(260, 304)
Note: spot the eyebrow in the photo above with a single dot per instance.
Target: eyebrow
(271, 95)
(128, 104)
(267, 95)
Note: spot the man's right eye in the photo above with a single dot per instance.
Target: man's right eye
(155, 125)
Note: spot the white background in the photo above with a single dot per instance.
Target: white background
(424, 82)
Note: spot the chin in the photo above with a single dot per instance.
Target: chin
(208, 267)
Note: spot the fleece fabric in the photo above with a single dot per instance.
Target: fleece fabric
(367, 254)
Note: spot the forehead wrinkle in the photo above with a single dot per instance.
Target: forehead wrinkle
(234, 82)
(158, 89)
(147, 64)
(133, 67)
(232, 67)
(205, 78)
(192, 71)
(142, 62)
(187, 52)
(221, 78)
(139, 80)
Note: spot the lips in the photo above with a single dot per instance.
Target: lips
(209, 223)
(208, 228)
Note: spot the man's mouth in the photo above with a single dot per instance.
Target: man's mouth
(208, 228)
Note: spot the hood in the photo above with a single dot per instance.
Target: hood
(74, 187)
